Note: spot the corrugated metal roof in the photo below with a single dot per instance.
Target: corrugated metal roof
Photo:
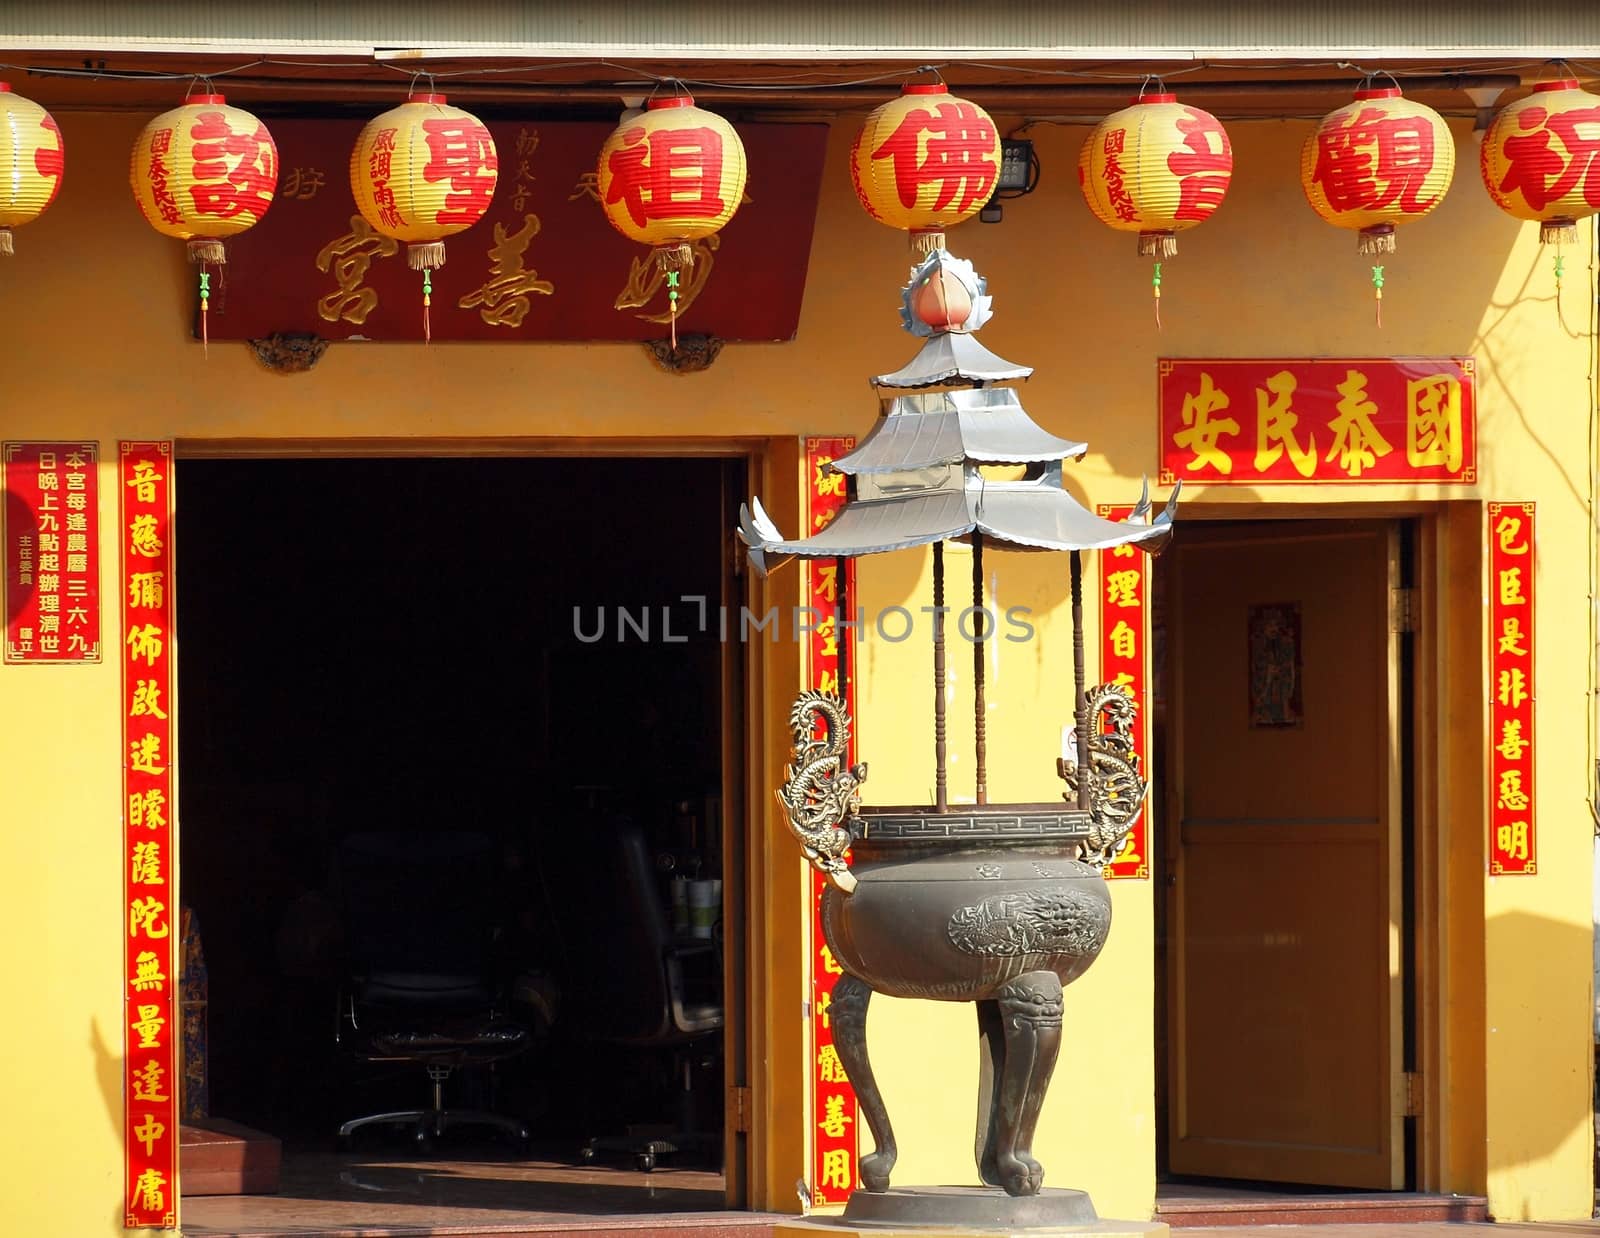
(923, 430)
(1153, 30)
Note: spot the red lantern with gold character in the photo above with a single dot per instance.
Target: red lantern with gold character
(668, 177)
(1157, 168)
(31, 162)
(1375, 164)
(204, 172)
(421, 172)
(925, 161)
(1541, 160)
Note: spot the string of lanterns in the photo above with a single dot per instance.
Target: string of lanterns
(674, 174)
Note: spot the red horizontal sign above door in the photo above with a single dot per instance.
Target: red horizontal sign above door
(543, 264)
(1259, 422)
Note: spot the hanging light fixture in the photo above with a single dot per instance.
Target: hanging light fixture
(32, 161)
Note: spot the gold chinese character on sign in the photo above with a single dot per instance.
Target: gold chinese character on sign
(146, 591)
(1512, 745)
(144, 538)
(1433, 423)
(502, 301)
(830, 965)
(146, 700)
(144, 916)
(1356, 441)
(347, 258)
(1122, 589)
(827, 482)
(829, 1068)
(1511, 794)
(836, 1169)
(148, 1027)
(144, 481)
(302, 184)
(1512, 840)
(144, 641)
(148, 1131)
(1275, 423)
(150, 1191)
(145, 867)
(148, 809)
(1124, 641)
(1512, 688)
(1511, 587)
(827, 586)
(144, 755)
(1508, 533)
(1202, 432)
(646, 281)
(1511, 637)
(147, 973)
(148, 1081)
(835, 1122)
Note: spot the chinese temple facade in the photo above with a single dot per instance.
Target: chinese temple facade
(330, 542)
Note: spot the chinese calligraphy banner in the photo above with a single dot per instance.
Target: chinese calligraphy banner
(1259, 422)
(52, 551)
(150, 1005)
(1125, 661)
(543, 264)
(834, 1113)
(1512, 838)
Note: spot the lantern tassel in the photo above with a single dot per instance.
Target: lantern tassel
(427, 300)
(1155, 288)
(1377, 292)
(672, 307)
(205, 311)
(6, 249)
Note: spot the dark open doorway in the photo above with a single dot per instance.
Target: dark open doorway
(391, 648)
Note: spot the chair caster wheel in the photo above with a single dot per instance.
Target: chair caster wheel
(646, 1161)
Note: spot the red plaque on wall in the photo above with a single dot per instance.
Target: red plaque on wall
(52, 551)
(1512, 835)
(1125, 661)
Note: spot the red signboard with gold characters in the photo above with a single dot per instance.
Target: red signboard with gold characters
(1261, 422)
(52, 551)
(834, 1113)
(150, 925)
(1125, 661)
(1512, 700)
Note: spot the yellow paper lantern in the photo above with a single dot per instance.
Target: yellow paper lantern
(671, 175)
(204, 172)
(1157, 167)
(31, 162)
(925, 161)
(421, 172)
(1377, 163)
(1540, 158)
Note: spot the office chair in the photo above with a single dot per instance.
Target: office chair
(421, 984)
(636, 984)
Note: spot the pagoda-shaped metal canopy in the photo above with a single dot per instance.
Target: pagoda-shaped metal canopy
(931, 469)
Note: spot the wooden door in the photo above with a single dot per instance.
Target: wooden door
(1284, 815)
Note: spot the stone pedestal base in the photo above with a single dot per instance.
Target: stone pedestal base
(967, 1212)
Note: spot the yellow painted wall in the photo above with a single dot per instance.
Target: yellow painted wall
(95, 307)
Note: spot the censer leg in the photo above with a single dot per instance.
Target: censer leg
(848, 1012)
(1030, 1007)
(991, 1068)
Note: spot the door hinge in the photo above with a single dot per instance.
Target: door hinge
(741, 1109)
(1404, 610)
(1413, 1080)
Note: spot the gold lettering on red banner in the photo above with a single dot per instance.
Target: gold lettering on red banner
(834, 1113)
(1233, 422)
(150, 1104)
(1512, 834)
(52, 551)
(1125, 661)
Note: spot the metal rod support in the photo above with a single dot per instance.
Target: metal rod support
(980, 741)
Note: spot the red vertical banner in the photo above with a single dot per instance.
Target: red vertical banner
(1125, 661)
(1512, 837)
(151, 1016)
(831, 668)
(52, 551)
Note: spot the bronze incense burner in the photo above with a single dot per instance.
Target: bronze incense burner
(997, 904)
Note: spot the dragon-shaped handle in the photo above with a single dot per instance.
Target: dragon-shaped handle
(1117, 788)
(821, 794)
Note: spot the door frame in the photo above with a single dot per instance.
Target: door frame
(748, 462)
(1439, 548)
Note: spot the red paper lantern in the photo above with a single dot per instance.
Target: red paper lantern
(421, 172)
(204, 172)
(31, 162)
(1539, 160)
(925, 162)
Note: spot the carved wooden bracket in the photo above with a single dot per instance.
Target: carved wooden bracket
(694, 352)
(289, 352)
